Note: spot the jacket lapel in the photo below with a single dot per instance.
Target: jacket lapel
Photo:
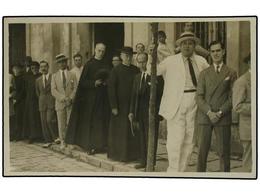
(182, 67)
(218, 78)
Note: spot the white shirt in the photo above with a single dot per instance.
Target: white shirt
(188, 83)
(65, 72)
(43, 78)
(144, 74)
(77, 72)
(220, 66)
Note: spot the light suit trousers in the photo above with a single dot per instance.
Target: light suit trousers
(180, 134)
(63, 120)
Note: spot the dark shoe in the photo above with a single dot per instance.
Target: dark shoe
(46, 145)
(139, 166)
(30, 141)
(57, 141)
(91, 152)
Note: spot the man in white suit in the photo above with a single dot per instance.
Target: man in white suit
(178, 104)
(63, 88)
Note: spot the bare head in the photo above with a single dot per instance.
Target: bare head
(140, 48)
(142, 59)
(100, 50)
(77, 60)
(44, 67)
(116, 60)
(217, 51)
(188, 27)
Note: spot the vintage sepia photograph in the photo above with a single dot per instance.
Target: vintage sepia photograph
(130, 96)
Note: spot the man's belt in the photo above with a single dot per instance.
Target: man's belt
(190, 91)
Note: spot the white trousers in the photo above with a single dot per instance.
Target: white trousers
(63, 120)
(180, 131)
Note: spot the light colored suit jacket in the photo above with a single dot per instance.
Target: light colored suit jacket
(46, 100)
(173, 70)
(242, 104)
(214, 92)
(58, 91)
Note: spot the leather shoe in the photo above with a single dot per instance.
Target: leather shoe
(91, 152)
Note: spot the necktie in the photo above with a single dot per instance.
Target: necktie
(192, 73)
(143, 82)
(218, 68)
(45, 81)
(64, 79)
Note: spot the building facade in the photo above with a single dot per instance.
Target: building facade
(46, 40)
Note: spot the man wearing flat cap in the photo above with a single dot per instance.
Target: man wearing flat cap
(122, 145)
(178, 105)
(63, 88)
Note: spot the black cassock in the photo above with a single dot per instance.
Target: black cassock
(122, 145)
(32, 122)
(89, 120)
(19, 98)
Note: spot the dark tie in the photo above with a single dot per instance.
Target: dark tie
(192, 73)
(45, 81)
(143, 83)
(218, 68)
(64, 79)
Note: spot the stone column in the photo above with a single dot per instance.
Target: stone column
(171, 35)
(128, 34)
(141, 34)
(233, 45)
(39, 42)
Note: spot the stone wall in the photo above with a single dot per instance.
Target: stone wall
(44, 41)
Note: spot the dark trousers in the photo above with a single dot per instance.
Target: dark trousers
(223, 134)
(49, 125)
(143, 120)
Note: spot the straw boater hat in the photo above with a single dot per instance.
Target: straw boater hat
(187, 36)
(61, 57)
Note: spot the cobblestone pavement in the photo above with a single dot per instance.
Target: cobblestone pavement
(33, 158)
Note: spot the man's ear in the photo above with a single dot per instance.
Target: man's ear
(224, 52)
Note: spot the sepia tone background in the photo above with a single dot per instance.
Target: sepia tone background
(43, 41)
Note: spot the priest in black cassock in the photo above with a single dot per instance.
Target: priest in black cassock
(122, 144)
(89, 120)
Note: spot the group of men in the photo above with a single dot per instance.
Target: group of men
(106, 109)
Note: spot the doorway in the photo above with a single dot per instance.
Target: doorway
(17, 44)
(112, 35)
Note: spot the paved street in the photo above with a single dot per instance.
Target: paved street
(33, 158)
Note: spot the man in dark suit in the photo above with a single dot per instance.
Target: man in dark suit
(214, 108)
(139, 107)
(46, 105)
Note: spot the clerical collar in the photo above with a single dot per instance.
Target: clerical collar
(97, 58)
